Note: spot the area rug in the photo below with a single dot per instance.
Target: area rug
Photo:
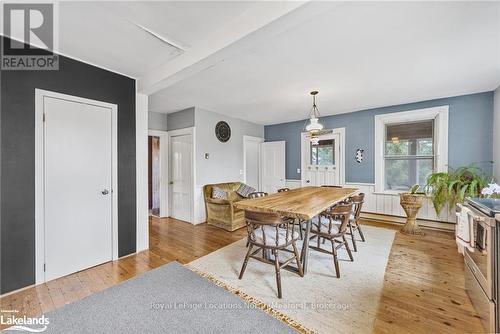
(169, 299)
(319, 301)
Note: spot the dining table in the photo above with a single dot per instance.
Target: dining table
(303, 203)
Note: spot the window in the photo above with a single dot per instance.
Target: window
(409, 146)
(323, 153)
(409, 154)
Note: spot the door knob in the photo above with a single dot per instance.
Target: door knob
(171, 182)
(105, 192)
(307, 181)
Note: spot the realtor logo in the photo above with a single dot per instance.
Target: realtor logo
(29, 40)
(15, 323)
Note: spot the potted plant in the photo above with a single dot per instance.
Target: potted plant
(452, 187)
(412, 202)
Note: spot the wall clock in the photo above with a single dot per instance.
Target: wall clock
(223, 131)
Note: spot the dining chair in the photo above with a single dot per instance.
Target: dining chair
(333, 228)
(291, 219)
(357, 202)
(326, 212)
(265, 232)
(257, 194)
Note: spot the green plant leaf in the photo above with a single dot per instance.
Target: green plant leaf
(461, 196)
(454, 186)
(473, 188)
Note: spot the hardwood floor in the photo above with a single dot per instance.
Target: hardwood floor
(170, 240)
(423, 290)
(424, 287)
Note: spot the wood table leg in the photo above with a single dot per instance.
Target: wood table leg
(305, 247)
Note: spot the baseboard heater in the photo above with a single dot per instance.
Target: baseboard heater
(401, 220)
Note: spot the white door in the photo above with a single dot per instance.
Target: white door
(321, 162)
(78, 171)
(272, 166)
(180, 176)
(252, 161)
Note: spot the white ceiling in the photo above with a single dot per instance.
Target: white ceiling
(358, 55)
(258, 60)
(103, 32)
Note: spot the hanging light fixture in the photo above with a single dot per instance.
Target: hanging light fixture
(313, 126)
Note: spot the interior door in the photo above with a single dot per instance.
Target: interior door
(272, 166)
(180, 173)
(322, 161)
(78, 170)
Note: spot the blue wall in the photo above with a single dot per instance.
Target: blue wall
(470, 134)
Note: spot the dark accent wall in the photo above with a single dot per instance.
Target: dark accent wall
(470, 134)
(17, 166)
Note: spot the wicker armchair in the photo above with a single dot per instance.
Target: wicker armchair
(221, 212)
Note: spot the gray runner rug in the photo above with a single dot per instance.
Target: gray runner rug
(168, 299)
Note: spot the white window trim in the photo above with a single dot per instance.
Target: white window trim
(439, 114)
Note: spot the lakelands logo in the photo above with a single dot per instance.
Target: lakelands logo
(15, 323)
(30, 36)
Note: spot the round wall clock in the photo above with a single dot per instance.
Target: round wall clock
(223, 131)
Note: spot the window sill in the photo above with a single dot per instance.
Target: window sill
(388, 192)
(391, 192)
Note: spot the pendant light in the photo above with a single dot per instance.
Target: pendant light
(313, 126)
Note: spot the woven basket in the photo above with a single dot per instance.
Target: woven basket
(411, 199)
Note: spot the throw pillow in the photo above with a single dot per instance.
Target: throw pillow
(244, 190)
(218, 193)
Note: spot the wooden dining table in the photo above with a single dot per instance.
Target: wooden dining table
(301, 203)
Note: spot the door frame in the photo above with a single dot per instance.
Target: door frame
(247, 139)
(176, 133)
(164, 193)
(303, 150)
(40, 94)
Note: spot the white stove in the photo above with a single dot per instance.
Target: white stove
(481, 267)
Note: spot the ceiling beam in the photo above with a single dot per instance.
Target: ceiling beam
(255, 24)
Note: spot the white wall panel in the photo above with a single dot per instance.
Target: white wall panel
(141, 123)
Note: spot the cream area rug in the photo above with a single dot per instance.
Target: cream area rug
(319, 301)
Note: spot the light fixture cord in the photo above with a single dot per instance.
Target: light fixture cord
(315, 111)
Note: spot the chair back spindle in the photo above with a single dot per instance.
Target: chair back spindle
(257, 194)
(357, 202)
(343, 212)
